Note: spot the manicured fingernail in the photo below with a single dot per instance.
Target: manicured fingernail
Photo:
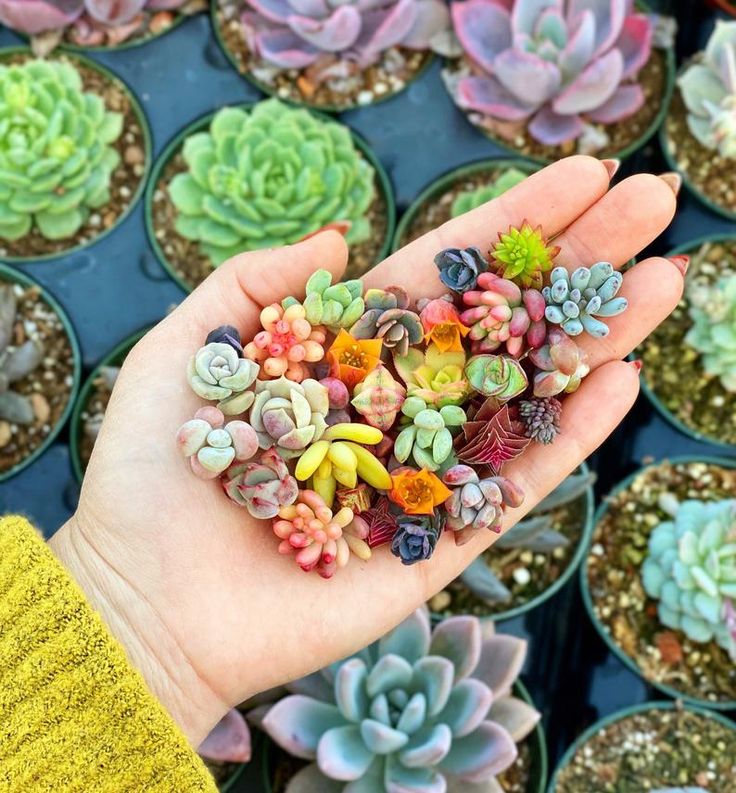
(681, 262)
(638, 365)
(673, 179)
(612, 167)
(341, 226)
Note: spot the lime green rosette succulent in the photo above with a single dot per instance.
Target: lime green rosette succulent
(56, 157)
(268, 177)
(435, 377)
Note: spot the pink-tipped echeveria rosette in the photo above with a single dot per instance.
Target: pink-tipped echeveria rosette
(357, 418)
(331, 55)
(93, 24)
(549, 78)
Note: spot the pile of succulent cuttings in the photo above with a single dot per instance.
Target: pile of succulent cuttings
(357, 417)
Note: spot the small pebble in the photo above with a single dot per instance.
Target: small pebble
(522, 576)
(41, 408)
(5, 434)
(134, 155)
(440, 601)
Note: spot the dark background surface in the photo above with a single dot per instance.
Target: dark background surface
(116, 287)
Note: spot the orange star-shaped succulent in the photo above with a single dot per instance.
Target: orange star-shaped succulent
(417, 492)
(352, 359)
(442, 325)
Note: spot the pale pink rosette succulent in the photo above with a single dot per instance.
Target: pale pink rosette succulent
(294, 34)
(552, 66)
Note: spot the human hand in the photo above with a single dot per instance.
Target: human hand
(192, 585)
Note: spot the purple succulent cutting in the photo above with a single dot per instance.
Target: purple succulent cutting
(552, 65)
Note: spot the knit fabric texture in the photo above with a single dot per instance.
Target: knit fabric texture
(74, 713)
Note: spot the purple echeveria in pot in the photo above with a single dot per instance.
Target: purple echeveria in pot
(552, 66)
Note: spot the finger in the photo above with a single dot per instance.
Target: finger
(653, 289)
(631, 215)
(553, 198)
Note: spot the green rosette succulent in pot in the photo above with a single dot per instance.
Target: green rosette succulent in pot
(261, 176)
(69, 172)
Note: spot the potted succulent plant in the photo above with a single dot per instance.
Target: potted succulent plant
(93, 24)
(530, 562)
(693, 384)
(458, 191)
(661, 747)
(90, 406)
(227, 749)
(40, 367)
(659, 581)
(199, 211)
(383, 719)
(96, 147)
(699, 135)
(563, 78)
(331, 56)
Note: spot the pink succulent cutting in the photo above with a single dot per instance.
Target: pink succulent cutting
(552, 64)
(320, 540)
(294, 34)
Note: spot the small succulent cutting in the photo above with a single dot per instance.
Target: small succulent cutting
(419, 710)
(55, 148)
(554, 69)
(357, 419)
(708, 89)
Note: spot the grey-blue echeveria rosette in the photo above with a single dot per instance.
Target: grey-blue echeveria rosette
(416, 537)
(419, 711)
(459, 268)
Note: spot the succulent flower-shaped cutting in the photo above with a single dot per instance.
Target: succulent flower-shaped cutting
(555, 66)
(379, 398)
(417, 492)
(501, 313)
(217, 372)
(319, 539)
(492, 437)
(427, 436)
(416, 537)
(268, 177)
(289, 415)
(55, 145)
(691, 569)
(498, 376)
(708, 89)
(472, 199)
(417, 711)
(442, 324)
(477, 504)
(352, 359)
(16, 362)
(212, 446)
(437, 378)
(263, 487)
(560, 364)
(523, 255)
(291, 35)
(541, 417)
(575, 300)
(388, 317)
(339, 457)
(333, 305)
(713, 334)
(460, 267)
(287, 343)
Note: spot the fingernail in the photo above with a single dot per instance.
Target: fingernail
(638, 365)
(681, 262)
(341, 226)
(673, 180)
(612, 167)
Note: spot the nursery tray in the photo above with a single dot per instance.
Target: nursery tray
(116, 286)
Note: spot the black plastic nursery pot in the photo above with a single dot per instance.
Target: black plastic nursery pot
(140, 117)
(270, 90)
(624, 713)
(538, 771)
(613, 646)
(229, 785)
(10, 275)
(115, 357)
(443, 184)
(383, 185)
(651, 394)
(574, 563)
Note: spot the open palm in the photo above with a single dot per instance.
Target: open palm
(193, 586)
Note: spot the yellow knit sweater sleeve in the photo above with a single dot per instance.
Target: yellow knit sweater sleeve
(75, 716)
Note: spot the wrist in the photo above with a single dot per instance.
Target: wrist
(144, 634)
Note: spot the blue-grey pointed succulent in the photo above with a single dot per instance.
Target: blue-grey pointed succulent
(419, 711)
(576, 300)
